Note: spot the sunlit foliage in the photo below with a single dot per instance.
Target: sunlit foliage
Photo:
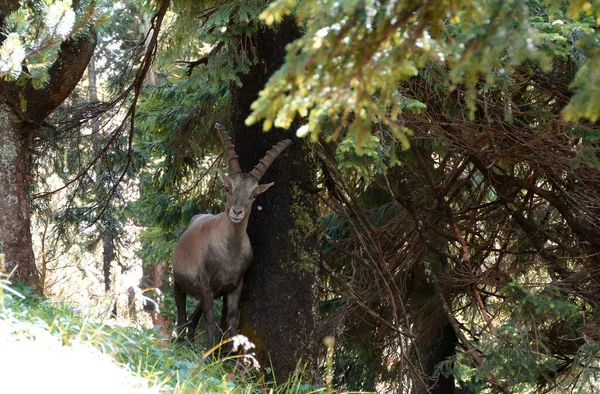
(347, 67)
(34, 35)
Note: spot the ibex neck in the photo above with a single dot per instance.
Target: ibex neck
(234, 231)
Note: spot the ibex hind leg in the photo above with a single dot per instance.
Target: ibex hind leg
(193, 323)
(180, 299)
(223, 325)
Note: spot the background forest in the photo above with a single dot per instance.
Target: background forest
(437, 215)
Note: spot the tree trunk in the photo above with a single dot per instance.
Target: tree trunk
(278, 305)
(436, 340)
(108, 255)
(22, 112)
(159, 318)
(93, 98)
(107, 236)
(15, 212)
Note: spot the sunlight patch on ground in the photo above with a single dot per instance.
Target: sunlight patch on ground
(34, 361)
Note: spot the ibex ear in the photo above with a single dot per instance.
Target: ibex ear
(262, 188)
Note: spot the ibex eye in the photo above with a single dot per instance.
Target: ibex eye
(227, 189)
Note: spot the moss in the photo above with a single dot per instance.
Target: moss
(12, 200)
(8, 148)
(22, 102)
(305, 227)
(8, 154)
(257, 337)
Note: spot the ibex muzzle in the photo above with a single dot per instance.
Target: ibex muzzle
(213, 253)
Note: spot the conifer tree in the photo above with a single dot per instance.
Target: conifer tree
(54, 64)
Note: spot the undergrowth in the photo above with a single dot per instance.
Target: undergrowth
(78, 353)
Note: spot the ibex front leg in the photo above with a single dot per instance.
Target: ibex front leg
(206, 304)
(231, 304)
(204, 307)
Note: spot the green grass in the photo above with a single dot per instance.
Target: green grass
(48, 347)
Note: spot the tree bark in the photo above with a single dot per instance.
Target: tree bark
(15, 234)
(435, 338)
(436, 341)
(108, 255)
(107, 236)
(22, 111)
(159, 318)
(93, 97)
(278, 305)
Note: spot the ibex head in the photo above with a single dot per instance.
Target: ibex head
(242, 188)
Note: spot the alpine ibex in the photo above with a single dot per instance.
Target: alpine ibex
(213, 253)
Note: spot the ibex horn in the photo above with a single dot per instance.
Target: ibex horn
(264, 163)
(232, 157)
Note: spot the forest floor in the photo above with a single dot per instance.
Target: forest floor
(48, 347)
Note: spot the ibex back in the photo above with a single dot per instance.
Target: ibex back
(214, 252)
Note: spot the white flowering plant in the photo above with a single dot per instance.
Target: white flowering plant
(240, 351)
(33, 37)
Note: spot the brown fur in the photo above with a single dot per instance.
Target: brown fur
(212, 255)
